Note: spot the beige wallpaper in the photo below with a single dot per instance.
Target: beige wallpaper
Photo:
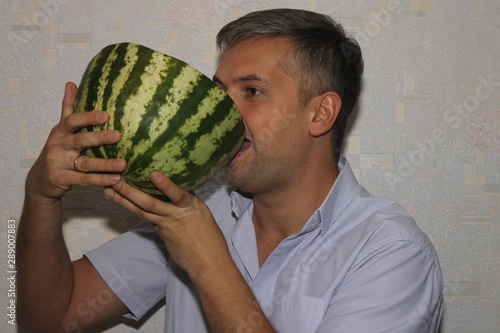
(427, 133)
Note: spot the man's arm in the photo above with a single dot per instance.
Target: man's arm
(197, 245)
(51, 288)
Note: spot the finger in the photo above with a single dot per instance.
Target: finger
(178, 196)
(113, 195)
(137, 202)
(82, 141)
(89, 164)
(70, 91)
(93, 179)
(75, 121)
(140, 198)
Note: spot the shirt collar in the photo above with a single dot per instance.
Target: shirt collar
(336, 201)
(239, 203)
(343, 190)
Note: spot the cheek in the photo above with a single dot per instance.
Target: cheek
(269, 132)
(274, 126)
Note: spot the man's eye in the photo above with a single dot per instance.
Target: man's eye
(253, 91)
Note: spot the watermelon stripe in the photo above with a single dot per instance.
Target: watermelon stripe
(131, 86)
(171, 142)
(210, 150)
(153, 108)
(208, 143)
(176, 94)
(82, 95)
(128, 55)
(92, 73)
(189, 106)
(117, 62)
(198, 173)
(154, 75)
(96, 73)
(102, 85)
(100, 89)
(207, 123)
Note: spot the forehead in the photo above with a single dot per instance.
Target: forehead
(264, 57)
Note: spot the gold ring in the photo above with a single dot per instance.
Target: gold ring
(75, 162)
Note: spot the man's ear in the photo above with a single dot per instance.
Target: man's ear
(326, 108)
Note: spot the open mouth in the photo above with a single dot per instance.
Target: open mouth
(245, 145)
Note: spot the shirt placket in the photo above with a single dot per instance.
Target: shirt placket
(262, 280)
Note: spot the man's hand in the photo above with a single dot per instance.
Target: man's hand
(60, 165)
(186, 225)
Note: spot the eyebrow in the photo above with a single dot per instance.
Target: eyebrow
(246, 78)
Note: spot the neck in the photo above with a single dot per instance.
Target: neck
(282, 213)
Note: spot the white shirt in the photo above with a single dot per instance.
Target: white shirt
(360, 264)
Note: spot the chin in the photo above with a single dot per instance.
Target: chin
(236, 180)
(233, 169)
(232, 179)
(239, 175)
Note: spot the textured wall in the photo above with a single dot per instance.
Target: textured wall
(427, 132)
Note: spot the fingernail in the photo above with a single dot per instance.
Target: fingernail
(114, 136)
(156, 177)
(119, 165)
(114, 178)
(102, 116)
(109, 193)
(117, 186)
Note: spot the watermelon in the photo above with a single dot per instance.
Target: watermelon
(172, 118)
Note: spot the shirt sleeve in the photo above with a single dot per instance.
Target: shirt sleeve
(134, 265)
(396, 288)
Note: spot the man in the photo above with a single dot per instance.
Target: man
(296, 245)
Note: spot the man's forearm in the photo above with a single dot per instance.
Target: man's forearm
(45, 275)
(228, 302)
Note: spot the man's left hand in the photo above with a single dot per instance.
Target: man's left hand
(186, 225)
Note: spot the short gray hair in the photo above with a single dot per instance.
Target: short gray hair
(325, 58)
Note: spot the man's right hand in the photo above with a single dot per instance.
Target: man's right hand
(46, 274)
(60, 164)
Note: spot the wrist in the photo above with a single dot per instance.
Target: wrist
(36, 194)
(228, 301)
(216, 269)
(36, 200)
(41, 213)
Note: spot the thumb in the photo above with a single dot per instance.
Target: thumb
(70, 91)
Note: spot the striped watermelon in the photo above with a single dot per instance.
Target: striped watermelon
(172, 118)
